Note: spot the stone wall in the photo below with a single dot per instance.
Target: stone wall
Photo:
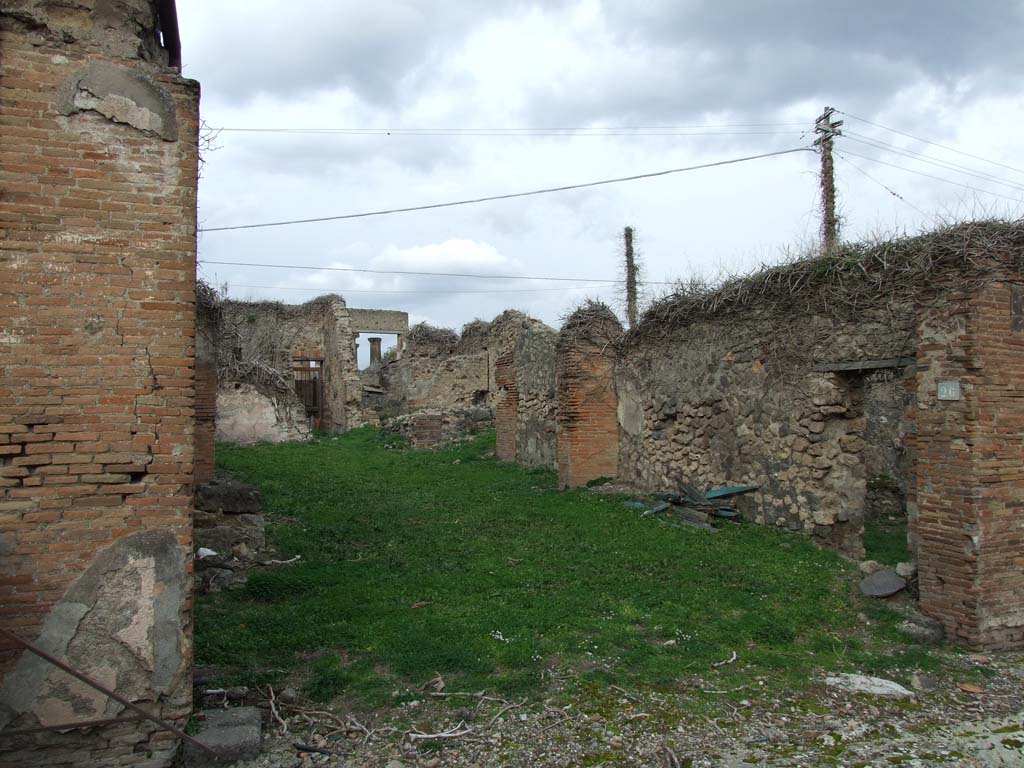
(534, 426)
(740, 401)
(98, 166)
(249, 414)
(258, 342)
(441, 369)
(820, 382)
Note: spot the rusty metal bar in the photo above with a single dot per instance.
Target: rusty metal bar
(71, 726)
(164, 725)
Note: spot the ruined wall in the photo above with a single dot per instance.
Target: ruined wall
(741, 400)
(205, 384)
(98, 167)
(258, 342)
(587, 401)
(966, 497)
(249, 414)
(537, 428)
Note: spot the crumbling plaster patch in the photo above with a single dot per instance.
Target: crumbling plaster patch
(120, 95)
(120, 624)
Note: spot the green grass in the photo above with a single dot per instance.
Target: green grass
(511, 577)
(886, 541)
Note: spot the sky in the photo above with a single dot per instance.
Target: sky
(417, 103)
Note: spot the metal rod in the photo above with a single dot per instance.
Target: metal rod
(71, 726)
(116, 697)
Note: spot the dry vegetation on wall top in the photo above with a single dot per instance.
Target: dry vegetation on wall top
(256, 356)
(838, 284)
(593, 322)
(427, 339)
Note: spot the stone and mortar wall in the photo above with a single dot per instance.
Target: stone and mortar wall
(98, 170)
(526, 406)
(812, 385)
(738, 402)
(440, 368)
(273, 335)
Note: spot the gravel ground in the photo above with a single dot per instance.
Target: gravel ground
(581, 724)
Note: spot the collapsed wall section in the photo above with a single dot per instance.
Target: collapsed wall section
(98, 166)
(262, 349)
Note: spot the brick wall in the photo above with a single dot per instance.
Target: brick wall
(506, 408)
(96, 398)
(968, 491)
(206, 422)
(588, 429)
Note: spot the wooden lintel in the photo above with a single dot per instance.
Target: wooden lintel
(856, 366)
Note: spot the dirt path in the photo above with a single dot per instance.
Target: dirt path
(583, 725)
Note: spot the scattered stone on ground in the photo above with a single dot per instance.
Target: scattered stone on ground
(906, 570)
(701, 724)
(230, 536)
(234, 734)
(876, 686)
(924, 629)
(882, 583)
(868, 567)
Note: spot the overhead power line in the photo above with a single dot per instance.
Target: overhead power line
(932, 176)
(616, 130)
(548, 190)
(920, 157)
(932, 143)
(886, 187)
(421, 274)
(326, 289)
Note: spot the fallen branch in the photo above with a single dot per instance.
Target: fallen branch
(452, 733)
(274, 713)
(730, 660)
(310, 748)
(503, 710)
(282, 562)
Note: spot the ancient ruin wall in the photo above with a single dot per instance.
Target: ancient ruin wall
(587, 402)
(257, 343)
(969, 471)
(98, 166)
(536, 425)
(742, 400)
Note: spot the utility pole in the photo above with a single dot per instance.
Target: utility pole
(827, 129)
(630, 278)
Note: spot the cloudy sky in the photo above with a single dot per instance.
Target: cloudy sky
(427, 102)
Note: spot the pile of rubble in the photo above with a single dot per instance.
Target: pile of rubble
(229, 535)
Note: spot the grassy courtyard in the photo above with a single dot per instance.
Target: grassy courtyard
(415, 563)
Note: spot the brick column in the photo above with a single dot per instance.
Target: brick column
(375, 355)
(98, 163)
(588, 428)
(968, 493)
(206, 422)
(506, 408)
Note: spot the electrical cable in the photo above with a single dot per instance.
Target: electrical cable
(544, 191)
(624, 130)
(947, 165)
(891, 191)
(933, 143)
(937, 178)
(425, 274)
(328, 289)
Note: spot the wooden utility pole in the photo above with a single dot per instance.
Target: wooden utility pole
(630, 278)
(827, 129)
